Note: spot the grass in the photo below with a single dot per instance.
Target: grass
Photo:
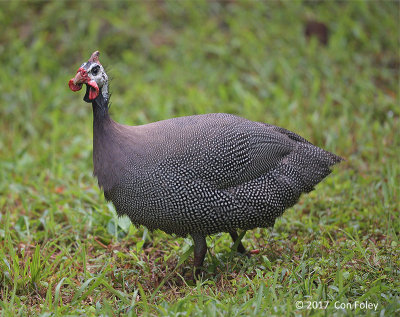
(63, 250)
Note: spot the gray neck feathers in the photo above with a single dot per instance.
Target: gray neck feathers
(105, 151)
(114, 145)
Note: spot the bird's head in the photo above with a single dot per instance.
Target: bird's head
(94, 76)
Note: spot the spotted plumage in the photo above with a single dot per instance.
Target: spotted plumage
(202, 174)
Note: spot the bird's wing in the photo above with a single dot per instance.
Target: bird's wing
(224, 150)
(251, 150)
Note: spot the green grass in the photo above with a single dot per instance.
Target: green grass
(63, 250)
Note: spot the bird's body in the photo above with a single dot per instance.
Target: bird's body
(202, 174)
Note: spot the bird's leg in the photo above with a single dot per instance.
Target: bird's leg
(200, 250)
(235, 237)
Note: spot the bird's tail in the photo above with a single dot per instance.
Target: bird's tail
(282, 187)
(305, 167)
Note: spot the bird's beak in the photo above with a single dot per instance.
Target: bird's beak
(81, 78)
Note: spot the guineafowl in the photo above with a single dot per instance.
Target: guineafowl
(201, 174)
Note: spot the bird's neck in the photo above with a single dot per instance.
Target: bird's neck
(102, 142)
(100, 110)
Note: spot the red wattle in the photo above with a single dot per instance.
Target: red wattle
(93, 90)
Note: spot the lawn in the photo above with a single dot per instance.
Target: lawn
(64, 251)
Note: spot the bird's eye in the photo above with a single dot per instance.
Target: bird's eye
(95, 70)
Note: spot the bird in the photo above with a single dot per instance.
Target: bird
(198, 175)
